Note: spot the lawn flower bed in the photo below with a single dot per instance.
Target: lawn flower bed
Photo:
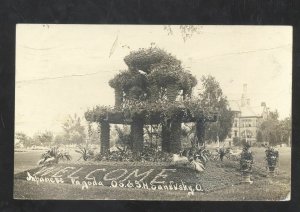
(139, 175)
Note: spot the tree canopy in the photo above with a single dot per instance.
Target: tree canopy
(275, 131)
(73, 130)
(212, 97)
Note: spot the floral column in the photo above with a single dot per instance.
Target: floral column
(175, 136)
(118, 97)
(200, 130)
(137, 133)
(172, 92)
(104, 136)
(165, 137)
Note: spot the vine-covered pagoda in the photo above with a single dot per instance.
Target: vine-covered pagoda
(154, 90)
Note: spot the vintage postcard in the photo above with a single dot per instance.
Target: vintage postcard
(153, 112)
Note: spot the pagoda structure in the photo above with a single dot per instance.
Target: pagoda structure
(154, 90)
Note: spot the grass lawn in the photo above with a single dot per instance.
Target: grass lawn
(220, 180)
(260, 190)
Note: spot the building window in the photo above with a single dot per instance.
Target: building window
(235, 133)
(247, 133)
(235, 123)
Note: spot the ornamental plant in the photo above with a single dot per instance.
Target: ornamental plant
(195, 153)
(246, 161)
(54, 155)
(272, 156)
(85, 152)
(151, 72)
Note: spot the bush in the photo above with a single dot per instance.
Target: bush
(198, 154)
(53, 155)
(85, 152)
(239, 142)
(246, 159)
(272, 156)
(150, 154)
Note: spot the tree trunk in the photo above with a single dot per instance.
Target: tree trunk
(175, 136)
(137, 133)
(104, 137)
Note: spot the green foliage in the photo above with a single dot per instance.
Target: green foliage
(246, 160)
(41, 138)
(275, 131)
(85, 152)
(285, 130)
(189, 108)
(123, 137)
(98, 113)
(161, 70)
(259, 137)
(27, 141)
(187, 31)
(45, 138)
(212, 98)
(272, 156)
(133, 84)
(239, 141)
(73, 130)
(93, 133)
(196, 153)
(146, 59)
(53, 155)
(149, 154)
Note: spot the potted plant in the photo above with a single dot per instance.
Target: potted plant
(272, 156)
(246, 164)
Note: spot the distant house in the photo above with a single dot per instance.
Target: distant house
(247, 118)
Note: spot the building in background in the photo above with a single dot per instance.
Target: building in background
(247, 119)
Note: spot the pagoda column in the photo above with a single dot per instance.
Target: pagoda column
(137, 133)
(200, 130)
(104, 137)
(175, 136)
(118, 97)
(165, 138)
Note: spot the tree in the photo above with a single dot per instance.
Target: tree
(73, 130)
(286, 127)
(27, 141)
(187, 31)
(60, 139)
(93, 133)
(275, 131)
(44, 138)
(212, 99)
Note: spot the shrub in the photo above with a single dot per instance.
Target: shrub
(53, 155)
(85, 152)
(246, 159)
(272, 156)
(149, 154)
(197, 154)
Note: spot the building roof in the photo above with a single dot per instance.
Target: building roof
(246, 110)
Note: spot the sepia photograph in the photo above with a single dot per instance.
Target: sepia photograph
(153, 112)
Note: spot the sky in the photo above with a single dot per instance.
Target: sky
(65, 69)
